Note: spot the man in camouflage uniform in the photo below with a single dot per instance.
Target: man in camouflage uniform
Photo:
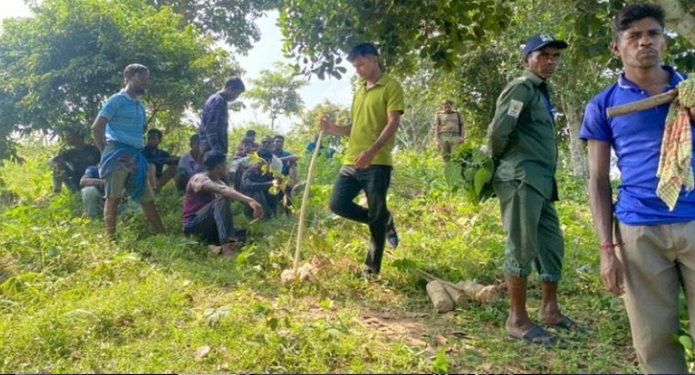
(448, 130)
(523, 145)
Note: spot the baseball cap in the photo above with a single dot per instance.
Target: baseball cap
(539, 41)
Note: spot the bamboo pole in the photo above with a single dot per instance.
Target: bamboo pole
(641, 105)
(305, 200)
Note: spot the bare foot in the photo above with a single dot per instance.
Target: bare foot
(217, 250)
(228, 251)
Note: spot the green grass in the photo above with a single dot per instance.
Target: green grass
(71, 301)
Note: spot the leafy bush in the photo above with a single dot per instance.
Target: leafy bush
(471, 168)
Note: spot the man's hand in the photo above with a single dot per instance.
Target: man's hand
(612, 272)
(277, 182)
(327, 125)
(365, 158)
(257, 209)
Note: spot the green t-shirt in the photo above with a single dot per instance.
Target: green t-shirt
(369, 115)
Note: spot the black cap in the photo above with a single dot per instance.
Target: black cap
(537, 42)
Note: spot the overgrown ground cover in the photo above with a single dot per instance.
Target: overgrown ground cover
(71, 301)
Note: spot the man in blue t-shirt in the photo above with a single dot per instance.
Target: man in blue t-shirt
(118, 134)
(648, 250)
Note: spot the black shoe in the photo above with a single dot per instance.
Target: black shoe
(367, 273)
(391, 235)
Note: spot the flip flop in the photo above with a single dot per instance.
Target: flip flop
(568, 324)
(535, 335)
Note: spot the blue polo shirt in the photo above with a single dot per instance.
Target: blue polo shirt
(636, 140)
(126, 118)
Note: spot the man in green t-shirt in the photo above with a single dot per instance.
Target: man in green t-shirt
(376, 111)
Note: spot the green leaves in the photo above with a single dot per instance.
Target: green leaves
(277, 92)
(441, 31)
(404, 264)
(213, 315)
(20, 283)
(476, 172)
(440, 365)
(453, 172)
(60, 66)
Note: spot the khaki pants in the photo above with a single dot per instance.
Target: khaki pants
(658, 260)
(449, 143)
(116, 183)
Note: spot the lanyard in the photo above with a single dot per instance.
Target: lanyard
(549, 106)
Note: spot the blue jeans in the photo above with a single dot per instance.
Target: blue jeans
(375, 182)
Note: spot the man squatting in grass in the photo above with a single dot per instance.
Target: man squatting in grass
(207, 210)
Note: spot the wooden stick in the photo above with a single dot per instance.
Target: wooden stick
(641, 105)
(305, 201)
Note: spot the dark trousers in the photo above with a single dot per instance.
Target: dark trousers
(65, 175)
(265, 199)
(212, 223)
(375, 182)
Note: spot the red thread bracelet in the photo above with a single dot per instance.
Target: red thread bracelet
(610, 246)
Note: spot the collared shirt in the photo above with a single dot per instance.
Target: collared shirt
(521, 137)
(126, 120)
(188, 164)
(214, 123)
(369, 113)
(636, 139)
(449, 122)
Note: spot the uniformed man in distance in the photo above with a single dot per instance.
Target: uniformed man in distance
(522, 141)
(449, 131)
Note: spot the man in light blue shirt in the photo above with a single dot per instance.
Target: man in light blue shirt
(118, 134)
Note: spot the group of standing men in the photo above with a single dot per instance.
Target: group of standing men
(647, 250)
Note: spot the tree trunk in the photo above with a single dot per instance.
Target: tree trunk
(677, 18)
(574, 120)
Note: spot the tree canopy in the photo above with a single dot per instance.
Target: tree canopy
(58, 67)
(318, 33)
(277, 92)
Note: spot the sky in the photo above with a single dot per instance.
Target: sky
(266, 52)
